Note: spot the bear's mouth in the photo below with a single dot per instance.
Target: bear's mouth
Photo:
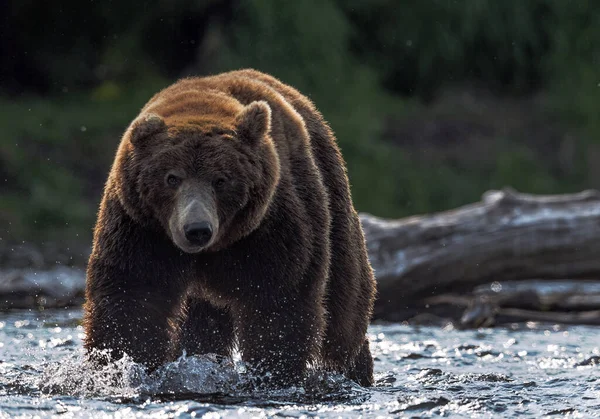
(191, 250)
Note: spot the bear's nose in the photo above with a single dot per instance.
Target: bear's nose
(198, 234)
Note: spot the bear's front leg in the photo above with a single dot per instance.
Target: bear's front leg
(205, 329)
(278, 338)
(127, 317)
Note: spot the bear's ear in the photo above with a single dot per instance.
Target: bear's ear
(254, 122)
(145, 126)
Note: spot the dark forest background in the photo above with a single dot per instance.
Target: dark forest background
(433, 101)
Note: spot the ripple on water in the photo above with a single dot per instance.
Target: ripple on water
(421, 372)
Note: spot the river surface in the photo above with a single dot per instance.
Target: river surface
(529, 370)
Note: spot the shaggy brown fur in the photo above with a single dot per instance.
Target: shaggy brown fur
(227, 217)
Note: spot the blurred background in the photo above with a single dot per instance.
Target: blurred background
(433, 101)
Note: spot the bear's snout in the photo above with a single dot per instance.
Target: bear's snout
(193, 223)
(199, 233)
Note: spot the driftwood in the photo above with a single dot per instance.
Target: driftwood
(60, 286)
(557, 301)
(510, 258)
(509, 236)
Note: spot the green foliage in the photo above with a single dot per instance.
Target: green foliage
(73, 44)
(54, 158)
(574, 65)
(421, 45)
(360, 61)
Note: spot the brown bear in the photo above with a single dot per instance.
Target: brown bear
(227, 219)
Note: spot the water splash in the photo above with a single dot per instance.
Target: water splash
(124, 378)
(207, 377)
(529, 371)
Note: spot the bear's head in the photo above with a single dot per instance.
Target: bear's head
(206, 180)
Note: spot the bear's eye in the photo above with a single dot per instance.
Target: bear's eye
(219, 183)
(172, 180)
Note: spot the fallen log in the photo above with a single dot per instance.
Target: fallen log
(559, 301)
(29, 288)
(472, 266)
(507, 236)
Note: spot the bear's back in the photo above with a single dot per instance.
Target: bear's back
(208, 102)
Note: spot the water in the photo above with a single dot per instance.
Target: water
(528, 371)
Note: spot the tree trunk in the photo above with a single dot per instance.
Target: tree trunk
(508, 236)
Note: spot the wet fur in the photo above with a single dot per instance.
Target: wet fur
(288, 278)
